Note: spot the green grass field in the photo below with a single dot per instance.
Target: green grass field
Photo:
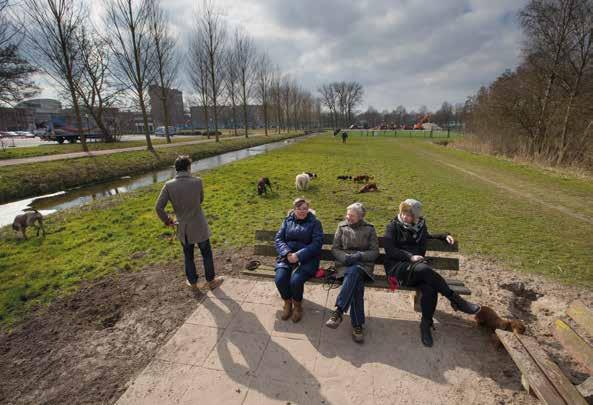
(519, 232)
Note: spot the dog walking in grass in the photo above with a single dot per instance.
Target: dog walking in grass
(262, 186)
(31, 217)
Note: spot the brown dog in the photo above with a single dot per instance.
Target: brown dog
(30, 217)
(262, 186)
(488, 318)
(367, 188)
(362, 178)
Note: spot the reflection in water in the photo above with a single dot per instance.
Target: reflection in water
(51, 203)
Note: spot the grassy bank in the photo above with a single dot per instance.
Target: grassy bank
(55, 149)
(41, 178)
(123, 233)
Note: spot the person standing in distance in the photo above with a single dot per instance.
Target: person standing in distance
(186, 195)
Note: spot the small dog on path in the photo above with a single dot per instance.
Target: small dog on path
(262, 186)
(30, 217)
(488, 318)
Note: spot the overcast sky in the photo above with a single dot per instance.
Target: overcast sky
(409, 52)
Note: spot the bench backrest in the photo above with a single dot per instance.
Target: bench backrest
(433, 245)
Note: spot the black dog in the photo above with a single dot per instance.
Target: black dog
(337, 131)
(262, 185)
(311, 175)
(344, 177)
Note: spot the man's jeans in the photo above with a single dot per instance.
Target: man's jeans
(190, 265)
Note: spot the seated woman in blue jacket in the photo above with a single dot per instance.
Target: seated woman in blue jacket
(405, 246)
(298, 243)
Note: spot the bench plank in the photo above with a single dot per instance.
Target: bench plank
(578, 348)
(328, 238)
(381, 280)
(441, 263)
(582, 315)
(536, 378)
(552, 371)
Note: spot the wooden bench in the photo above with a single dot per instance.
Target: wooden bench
(541, 375)
(265, 247)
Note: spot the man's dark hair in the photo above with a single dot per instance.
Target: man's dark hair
(182, 163)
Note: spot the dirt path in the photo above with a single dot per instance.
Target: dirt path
(76, 155)
(531, 192)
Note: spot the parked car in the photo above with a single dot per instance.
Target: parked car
(25, 134)
(160, 131)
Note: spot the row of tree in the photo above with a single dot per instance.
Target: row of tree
(448, 115)
(99, 64)
(544, 108)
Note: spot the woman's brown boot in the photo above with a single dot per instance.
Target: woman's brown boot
(297, 312)
(287, 311)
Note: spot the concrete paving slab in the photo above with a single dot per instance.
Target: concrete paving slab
(237, 352)
(235, 289)
(161, 382)
(215, 387)
(232, 350)
(288, 360)
(214, 312)
(190, 345)
(308, 328)
(264, 292)
(263, 391)
(255, 318)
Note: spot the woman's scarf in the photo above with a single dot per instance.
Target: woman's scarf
(414, 228)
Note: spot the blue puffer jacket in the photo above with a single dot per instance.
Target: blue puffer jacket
(304, 237)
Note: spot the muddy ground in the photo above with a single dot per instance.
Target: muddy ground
(85, 348)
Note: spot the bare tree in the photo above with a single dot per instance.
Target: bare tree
(547, 25)
(51, 37)
(231, 80)
(165, 58)
(96, 88)
(213, 34)
(329, 100)
(199, 74)
(15, 70)
(128, 26)
(354, 95)
(276, 97)
(245, 58)
(263, 79)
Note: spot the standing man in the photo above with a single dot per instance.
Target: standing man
(186, 195)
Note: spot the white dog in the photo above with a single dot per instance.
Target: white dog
(302, 181)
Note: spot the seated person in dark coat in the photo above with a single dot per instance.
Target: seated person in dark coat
(405, 246)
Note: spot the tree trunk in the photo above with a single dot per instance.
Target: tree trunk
(145, 120)
(265, 118)
(165, 111)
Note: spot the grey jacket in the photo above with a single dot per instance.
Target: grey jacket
(360, 237)
(186, 195)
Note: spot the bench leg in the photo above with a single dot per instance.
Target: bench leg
(415, 300)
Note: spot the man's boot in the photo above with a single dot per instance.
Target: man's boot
(297, 311)
(287, 310)
(459, 304)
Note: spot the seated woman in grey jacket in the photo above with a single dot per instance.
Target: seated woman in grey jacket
(355, 249)
(405, 246)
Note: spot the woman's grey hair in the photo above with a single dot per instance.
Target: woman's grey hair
(300, 201)
(357, 207)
